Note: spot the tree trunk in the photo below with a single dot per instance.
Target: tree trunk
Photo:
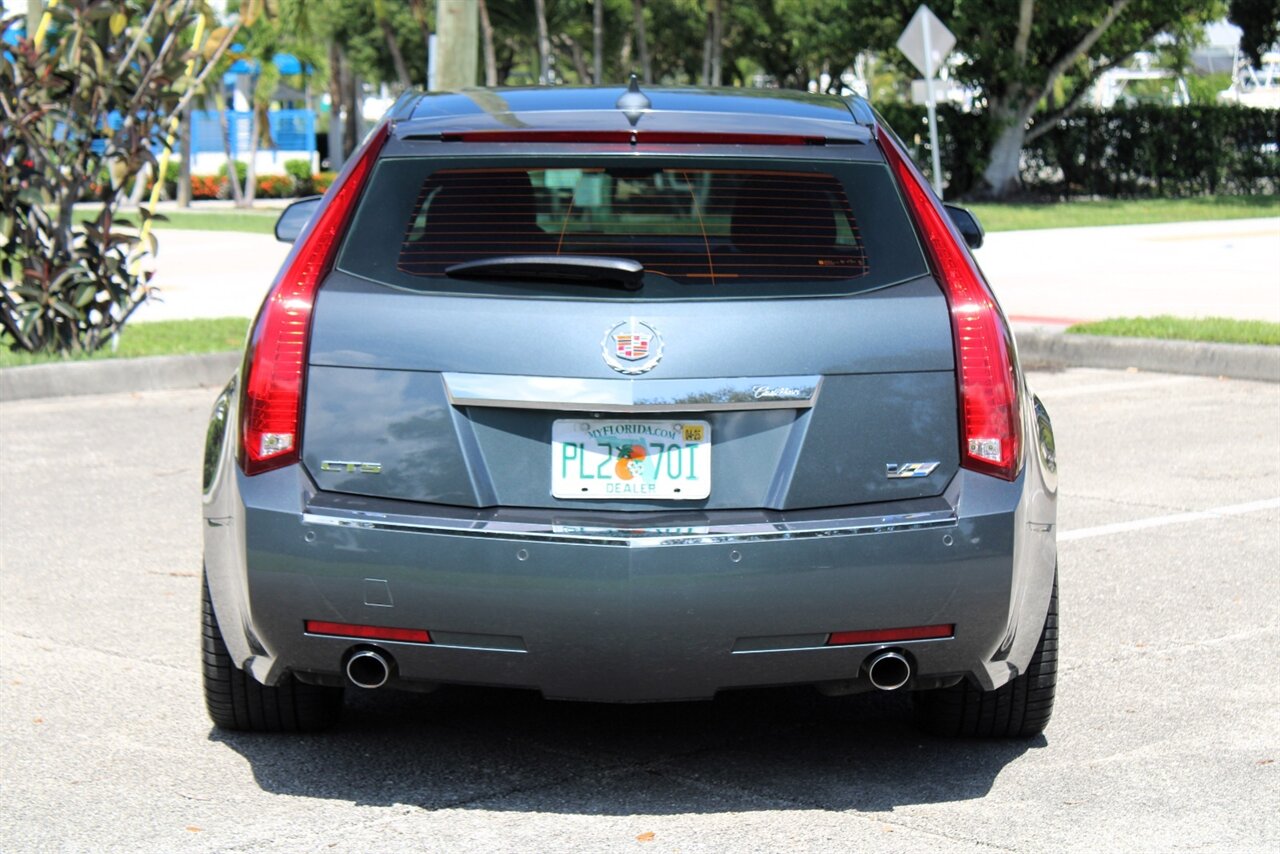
(233, 174)
(1002, 176)
(490, 55)
(397, 58)
(184, 161)
(597, 42)
(350, 110)
(420, 15)
(544, 44)
(642, 40)
(717, 42)
(337, 145)
(251, 168)
(576, 56)
(705, 77)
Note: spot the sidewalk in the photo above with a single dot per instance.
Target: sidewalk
(1048, 278)
(1045, 280)
(1226, 268)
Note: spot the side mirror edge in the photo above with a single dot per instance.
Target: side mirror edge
(294, 218)
(967, 224)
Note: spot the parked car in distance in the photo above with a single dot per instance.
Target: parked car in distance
(630, 396)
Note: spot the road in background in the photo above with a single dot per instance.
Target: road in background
(1166, 735)
(1228, 268)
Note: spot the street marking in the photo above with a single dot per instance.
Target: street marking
(1174, 519)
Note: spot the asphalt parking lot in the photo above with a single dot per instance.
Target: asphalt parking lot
(1166, 735)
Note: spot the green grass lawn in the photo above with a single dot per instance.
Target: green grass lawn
(1216, 329)
(994, 217)
(159, 338)
(1016, 217)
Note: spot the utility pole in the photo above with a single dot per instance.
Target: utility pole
(457, 44)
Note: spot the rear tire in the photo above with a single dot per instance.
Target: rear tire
(1020, 708)
(237, 701)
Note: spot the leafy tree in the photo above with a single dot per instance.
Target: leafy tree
(81, 115)
(1018, 52)
(1260, 20)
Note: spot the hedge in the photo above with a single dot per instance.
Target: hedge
(1123, 152)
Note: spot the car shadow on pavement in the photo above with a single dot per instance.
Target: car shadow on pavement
(504, 750)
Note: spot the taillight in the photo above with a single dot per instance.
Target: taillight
(990, 420)
(271, 388)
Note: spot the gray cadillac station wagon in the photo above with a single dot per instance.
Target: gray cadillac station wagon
(629, 396)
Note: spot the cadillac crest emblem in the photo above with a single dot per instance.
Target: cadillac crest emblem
(632, 347)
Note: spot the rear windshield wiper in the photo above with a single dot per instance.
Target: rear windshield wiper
(585, 269)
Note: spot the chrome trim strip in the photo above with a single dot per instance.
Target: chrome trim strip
(632, 395)
(641, 538)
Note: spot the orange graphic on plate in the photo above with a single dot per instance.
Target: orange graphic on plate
(630, 461)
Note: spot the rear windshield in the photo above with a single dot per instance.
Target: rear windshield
(699, 230)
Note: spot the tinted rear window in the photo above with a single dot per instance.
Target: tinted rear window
(700, 230)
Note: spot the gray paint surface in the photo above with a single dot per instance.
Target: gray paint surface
(106, 746)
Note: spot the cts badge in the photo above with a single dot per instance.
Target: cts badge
(898, 470)
(631, 347)
(351, 466)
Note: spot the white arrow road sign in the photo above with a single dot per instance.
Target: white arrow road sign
(926, 42)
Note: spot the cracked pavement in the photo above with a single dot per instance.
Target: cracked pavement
(1166, 735)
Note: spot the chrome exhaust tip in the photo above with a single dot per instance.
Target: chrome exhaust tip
(368, 668)
(889, 670)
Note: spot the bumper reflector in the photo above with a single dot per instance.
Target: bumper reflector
(892, 635)
(350, 630)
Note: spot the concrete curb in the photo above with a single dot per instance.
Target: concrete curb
(1238, 361)
(1036, 348)
(109, 376)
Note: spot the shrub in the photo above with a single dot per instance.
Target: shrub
(300, 171)
(67, 285)
(207, 186)
(320, 183)
(275, 186)
(242, 170)
(1159, 151)
(1146, 150)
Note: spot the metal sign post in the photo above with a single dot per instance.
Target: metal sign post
(926, 42)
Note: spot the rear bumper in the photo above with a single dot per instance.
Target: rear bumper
(664, 608)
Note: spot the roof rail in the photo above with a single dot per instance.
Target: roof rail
(404, 105)
(861, 109)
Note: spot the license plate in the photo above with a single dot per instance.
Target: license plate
(630, 459)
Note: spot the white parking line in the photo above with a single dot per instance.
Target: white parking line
(1173, 519)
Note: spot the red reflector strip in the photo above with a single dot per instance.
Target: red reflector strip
(627, 137)
(892, 635)
(350, 630)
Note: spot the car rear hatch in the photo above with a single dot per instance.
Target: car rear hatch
(786, 348)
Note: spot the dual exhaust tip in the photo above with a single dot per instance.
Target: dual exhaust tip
(888, 670)
(369, 668)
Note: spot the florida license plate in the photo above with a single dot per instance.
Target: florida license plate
(630, 459)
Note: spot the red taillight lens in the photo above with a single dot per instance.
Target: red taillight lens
(990, 419)
(892, 635)
(271, 390)
(352, 630)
